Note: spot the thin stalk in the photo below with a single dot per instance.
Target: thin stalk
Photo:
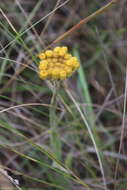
(122, 131)
(55, 138)
(84, 21)
(91, 136)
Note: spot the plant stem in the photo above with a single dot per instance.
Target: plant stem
(55, 138)
(84, 21)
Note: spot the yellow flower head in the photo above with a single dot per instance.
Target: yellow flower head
(57, 64)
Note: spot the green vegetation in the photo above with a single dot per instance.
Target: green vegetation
(87, 149)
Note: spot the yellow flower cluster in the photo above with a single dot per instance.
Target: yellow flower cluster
(57, 64)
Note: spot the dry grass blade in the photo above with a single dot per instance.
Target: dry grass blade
(49, 19)
(83, 21)
(123, 129)
(22, 105)
(6, 182)
(8, 20)
(91, 136)
(29, 28)
(29, 22)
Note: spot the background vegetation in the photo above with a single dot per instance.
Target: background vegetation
(91, 104)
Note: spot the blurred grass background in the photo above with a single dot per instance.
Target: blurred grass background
(98, 89)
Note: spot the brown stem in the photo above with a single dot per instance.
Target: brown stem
(83, 21)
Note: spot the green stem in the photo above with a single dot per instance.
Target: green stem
(55, 138)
